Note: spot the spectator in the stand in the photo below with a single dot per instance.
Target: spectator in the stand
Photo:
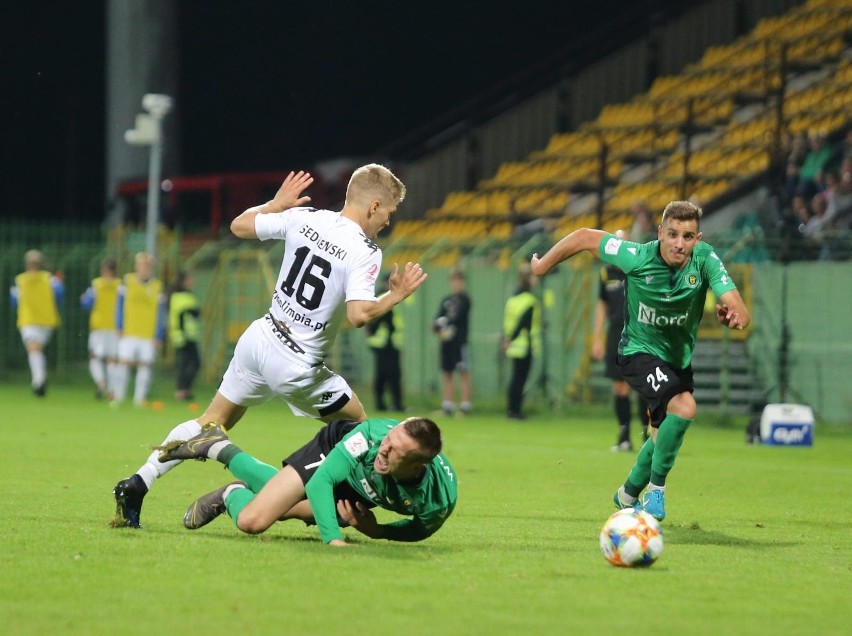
(643, 229)
(797, 148)
(37, 295)
(815, 229)
(841, 196)
(811, 174)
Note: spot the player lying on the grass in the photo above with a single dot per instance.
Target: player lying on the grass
(667, 282)
(348, 468)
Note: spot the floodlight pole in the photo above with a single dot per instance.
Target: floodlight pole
(149, 132)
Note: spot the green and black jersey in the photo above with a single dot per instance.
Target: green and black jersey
(664, 304)
(428, 502)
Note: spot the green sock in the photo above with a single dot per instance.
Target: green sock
(250, 470)
(236, 500)
(669, 439)
(640, 475)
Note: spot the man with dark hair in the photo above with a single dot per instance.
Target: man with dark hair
(348, 468)
(451, 326)
(667, 283)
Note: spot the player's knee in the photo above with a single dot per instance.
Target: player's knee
(683, 405)
(251, 521)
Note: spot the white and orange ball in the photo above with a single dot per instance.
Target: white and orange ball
(631, 538)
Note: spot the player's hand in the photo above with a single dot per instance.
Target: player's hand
(359, 517)
(536, 267)
(405, 283)
(728, 317)
(289, 195)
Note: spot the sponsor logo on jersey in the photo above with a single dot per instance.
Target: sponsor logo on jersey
(658, 318)
(612, 245)
(648, 279)
(369, 489)
(372, 273)
(325, 397)
(356, 445)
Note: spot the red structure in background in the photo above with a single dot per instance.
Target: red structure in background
(229, 194)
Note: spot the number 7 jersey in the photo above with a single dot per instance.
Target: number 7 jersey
(328, 261)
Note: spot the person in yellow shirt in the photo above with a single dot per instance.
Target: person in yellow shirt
(100, 300)
(37, 295)
(521, 339)
(140, 317)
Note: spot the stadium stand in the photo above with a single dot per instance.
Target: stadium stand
(706, 133)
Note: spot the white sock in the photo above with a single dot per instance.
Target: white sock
(38, 367)
(153, 469)
(111, 370)
(624, 498)
(143, 383)
(656, 487)
(96, 368)
(122, 373)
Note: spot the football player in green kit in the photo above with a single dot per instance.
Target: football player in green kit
(667, 281)
(348, 468)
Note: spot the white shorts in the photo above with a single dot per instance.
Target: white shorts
(35, 333)
(263, 368)
(103, 343)
(136, 350)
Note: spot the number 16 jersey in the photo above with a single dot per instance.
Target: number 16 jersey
(328, 261)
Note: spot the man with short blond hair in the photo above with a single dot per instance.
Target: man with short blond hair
(37, 295)
(328, 274)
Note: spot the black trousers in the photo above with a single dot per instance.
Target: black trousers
(388, 376)
(520, 372)
(188, 365)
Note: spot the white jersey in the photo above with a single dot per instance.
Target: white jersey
(328, 261)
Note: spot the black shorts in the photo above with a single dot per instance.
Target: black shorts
(308, 458)
(611, 369)
(655, 381)
(453, 357)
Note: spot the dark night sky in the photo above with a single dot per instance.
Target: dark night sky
(263, 85)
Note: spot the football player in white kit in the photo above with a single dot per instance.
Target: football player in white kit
(328, 273)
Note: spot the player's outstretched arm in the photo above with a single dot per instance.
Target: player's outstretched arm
(289, 195)
(580, 240)
(731, 310)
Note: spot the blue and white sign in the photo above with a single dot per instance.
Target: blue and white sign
(787, 425)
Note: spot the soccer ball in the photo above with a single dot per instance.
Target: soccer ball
(631, 538)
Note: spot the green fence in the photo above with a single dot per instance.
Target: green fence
(818, 309)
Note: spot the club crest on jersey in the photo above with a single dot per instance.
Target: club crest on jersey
(692, 280)
(356, 445)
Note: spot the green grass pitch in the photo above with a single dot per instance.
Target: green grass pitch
(757, 540)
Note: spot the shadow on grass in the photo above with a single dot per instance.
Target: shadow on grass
(388, 550)
(694, 534)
